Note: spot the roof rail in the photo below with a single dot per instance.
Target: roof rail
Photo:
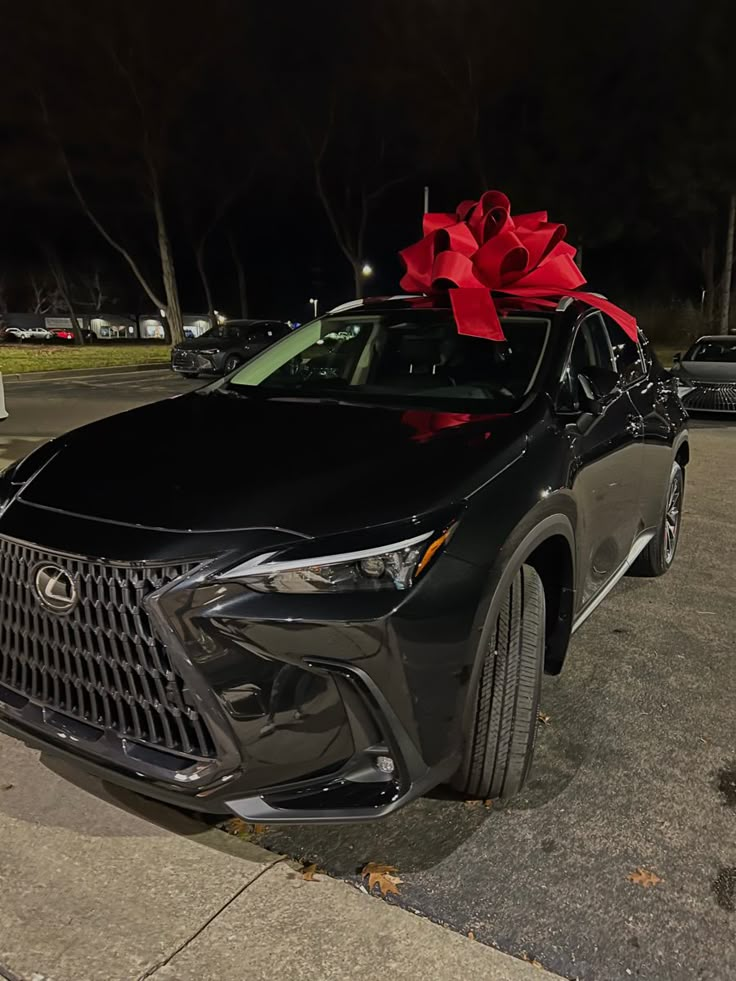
(354, 304)
(350, 305)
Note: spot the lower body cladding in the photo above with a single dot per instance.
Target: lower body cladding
(206, 695)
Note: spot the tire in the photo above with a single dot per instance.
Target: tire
(658, 556)
(500, 738)
(231, 363)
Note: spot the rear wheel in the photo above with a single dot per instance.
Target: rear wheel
(500, 737)
(659, 554)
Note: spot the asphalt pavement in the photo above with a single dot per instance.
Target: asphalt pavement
(620, 858)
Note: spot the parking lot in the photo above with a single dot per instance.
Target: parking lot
(635, 767)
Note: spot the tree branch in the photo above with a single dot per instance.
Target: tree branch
(318, 160)
(120, 249)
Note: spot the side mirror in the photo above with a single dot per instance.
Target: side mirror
(597, 386)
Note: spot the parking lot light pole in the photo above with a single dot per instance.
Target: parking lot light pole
(314, 301)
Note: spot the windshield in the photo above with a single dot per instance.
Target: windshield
(724, 350)
(229, 331)
(404, 356)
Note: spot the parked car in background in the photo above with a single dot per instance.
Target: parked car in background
(364, 608)
(62, 335)
(225, 347)
(706, 374)
(36, 335)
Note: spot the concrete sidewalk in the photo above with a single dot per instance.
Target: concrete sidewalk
(100, 889)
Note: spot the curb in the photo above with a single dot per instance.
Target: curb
(83, 372)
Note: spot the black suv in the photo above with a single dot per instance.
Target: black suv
(351, 595)
(225, 347)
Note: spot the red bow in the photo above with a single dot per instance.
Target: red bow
(482, 248)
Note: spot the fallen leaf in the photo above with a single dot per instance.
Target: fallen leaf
(543, 718)
(472, 803)
(643, 877)
(307, 872)
(242, 829)
(7, 786)
(488, 804)
(531, 960)
(471, 935)
(237, 826)
(382, 876)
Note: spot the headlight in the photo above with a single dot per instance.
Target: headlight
(389, 567)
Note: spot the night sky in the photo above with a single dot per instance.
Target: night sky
(618, 119)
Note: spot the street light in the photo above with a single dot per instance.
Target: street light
(313, 300)
(367, 269)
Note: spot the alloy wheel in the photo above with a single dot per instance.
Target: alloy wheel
(672, 518)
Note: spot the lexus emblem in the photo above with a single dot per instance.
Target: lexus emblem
(55, 588)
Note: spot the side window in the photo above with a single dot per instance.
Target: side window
(627, 353)
(591, 351)
(592, 347)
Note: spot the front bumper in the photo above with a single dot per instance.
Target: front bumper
(192, 362)
(328, 708)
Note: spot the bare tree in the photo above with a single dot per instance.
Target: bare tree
(3, 299)
(45, 296)
(145, 111)
(218, 212)
(91, 292)
(240, 272)
(348, 205)
(63, 291)
(725, 310)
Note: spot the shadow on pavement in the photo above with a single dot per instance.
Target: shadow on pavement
(171, 819)
(427, 832)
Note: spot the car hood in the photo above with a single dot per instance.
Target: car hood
(708, 371)
(213, 462)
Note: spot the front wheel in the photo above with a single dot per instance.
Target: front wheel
(231, 363)
(659, 554)
(499, 742)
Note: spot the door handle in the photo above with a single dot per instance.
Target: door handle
(634, 426)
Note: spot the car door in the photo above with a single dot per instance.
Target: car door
(651, 393)
(606, 454)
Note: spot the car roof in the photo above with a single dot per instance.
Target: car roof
(237, 322)
(718, 338)
(506, 305)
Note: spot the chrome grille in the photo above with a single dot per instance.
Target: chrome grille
(101, 663)
(184, 359)
(713, 397)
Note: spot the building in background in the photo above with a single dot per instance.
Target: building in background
(152, 326)
(114, 327)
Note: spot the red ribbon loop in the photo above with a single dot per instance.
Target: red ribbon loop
(482, 248)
